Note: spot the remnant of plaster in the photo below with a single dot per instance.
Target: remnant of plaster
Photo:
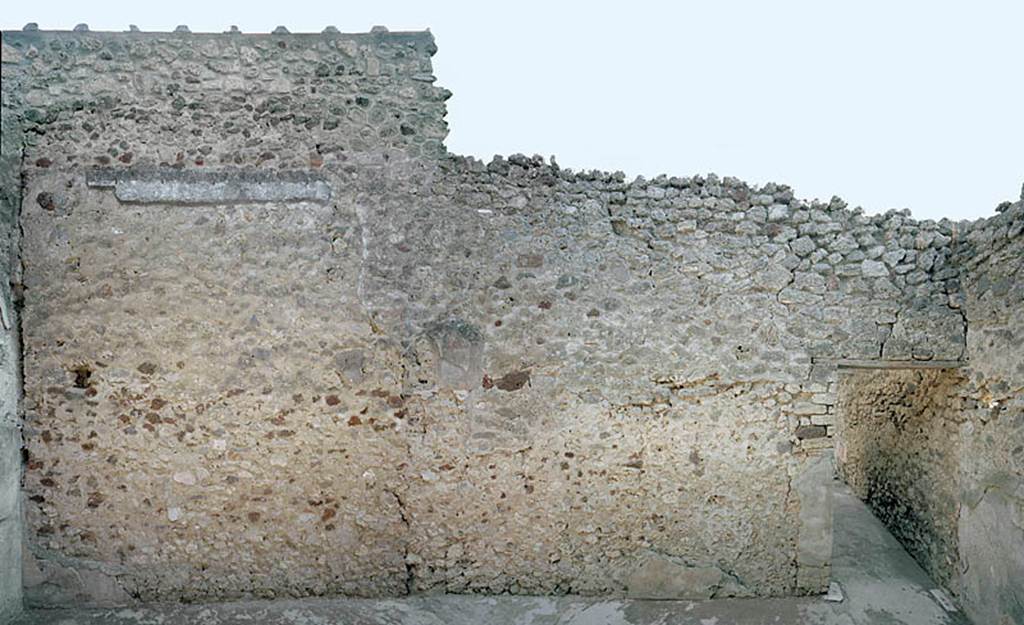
(170, 186)
(56, 582)
(660, 577)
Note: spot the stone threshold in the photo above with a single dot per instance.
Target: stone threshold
(843, 363)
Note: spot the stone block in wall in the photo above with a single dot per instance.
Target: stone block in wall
(818, 445)
(823, 419)
(809, 432)
(807, 408)
(825, 399)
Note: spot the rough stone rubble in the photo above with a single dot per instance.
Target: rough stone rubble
(444, 376)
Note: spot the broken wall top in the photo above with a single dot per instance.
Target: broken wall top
(366, 97)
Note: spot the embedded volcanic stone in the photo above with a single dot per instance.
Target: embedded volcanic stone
(811, 431)
(459, 346)
(45, 200)
(513, 381)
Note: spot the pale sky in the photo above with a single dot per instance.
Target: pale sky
(888, 104)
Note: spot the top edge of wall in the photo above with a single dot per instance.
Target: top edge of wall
(330, 32)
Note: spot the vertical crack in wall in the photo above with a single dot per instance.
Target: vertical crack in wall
(959, 298)
(795, 544)
(17, 281)
(778, 294)
(892, 329)
(364, 252)
(403, 514)
(966, 327)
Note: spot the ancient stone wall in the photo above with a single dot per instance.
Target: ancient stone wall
(991, 528)
(347, 362)
(142, 101)
(940, 454)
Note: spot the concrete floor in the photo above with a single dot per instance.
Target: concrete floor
(881, 583)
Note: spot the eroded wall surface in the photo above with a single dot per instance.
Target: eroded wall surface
(445, 376)
(991, 529)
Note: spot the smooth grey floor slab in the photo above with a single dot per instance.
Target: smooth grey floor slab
(881, 583)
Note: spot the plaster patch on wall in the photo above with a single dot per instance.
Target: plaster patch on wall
(176, 186)
(55, 582)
